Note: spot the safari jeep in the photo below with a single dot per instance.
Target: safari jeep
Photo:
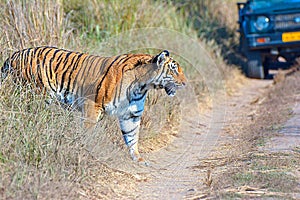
(269, 34)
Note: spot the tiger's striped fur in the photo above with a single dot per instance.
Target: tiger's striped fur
(96, 85)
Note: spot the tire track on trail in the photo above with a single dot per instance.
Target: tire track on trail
(172, 174)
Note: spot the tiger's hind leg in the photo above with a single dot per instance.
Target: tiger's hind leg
(130, 130)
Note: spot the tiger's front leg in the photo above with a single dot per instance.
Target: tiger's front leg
(130, 129)
(91, 114)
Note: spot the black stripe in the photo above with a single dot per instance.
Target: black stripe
(59, 60)
(128, 132)
(117, 64)
(39, 55)
(50, 62)
(64, 61)
(14, 55)
(104, 76)
(136, 65)
(32, 58)
(23, 65)
(161, 74)
(126, 58)
(100, 59)
(116, 92)
(121, 84)
(31, 61)
(137, 113)
(75, 80)
(64, 74)
(91, 65)
(27, 66)
(35, 50)
(129, 142)
(72, 71)
(44, 58)
(18, 63)
(122, 60)
(6, 68)
(84, 67)
(139, 98)
(131, 86)
(26, 54)
(46, 68)
(38, 68)
(85, 75)
(128, 90)
(64, 69)
(102, 66)
(88, 68)
(43, 49)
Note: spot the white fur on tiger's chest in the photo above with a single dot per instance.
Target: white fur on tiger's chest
(116, 108)
(124, 108)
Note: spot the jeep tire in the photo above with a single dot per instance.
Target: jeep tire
(254, 67)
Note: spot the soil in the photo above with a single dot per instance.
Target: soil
(261, 119)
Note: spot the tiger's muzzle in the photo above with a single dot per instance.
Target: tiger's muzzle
(171, 88)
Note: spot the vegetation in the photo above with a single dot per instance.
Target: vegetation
(44, 153)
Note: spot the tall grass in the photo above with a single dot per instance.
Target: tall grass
(100, 19)
(22, 26)
(216, 23)
(38, 144)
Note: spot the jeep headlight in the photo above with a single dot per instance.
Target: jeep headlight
(261, 23)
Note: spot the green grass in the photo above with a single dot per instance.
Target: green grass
(274, 181)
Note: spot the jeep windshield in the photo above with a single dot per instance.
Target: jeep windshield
(258, 4)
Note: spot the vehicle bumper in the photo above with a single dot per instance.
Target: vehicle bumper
(270, 41)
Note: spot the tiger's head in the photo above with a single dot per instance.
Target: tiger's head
(170, 76)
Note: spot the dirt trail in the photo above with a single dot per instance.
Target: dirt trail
(289, 136)
(172, 174)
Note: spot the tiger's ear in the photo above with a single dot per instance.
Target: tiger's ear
(160, 58)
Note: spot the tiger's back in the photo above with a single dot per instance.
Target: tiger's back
(46, 67)
(69, 75)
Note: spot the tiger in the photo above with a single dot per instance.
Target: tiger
(97, 85)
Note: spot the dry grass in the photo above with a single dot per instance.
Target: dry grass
(22, 26)
(37, 145)
(243, 168)
(44, 153)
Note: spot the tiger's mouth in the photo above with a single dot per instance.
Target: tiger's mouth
(170, 89)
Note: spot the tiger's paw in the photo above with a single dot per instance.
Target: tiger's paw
(143, 162)
(139, 160)
(135, 155)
